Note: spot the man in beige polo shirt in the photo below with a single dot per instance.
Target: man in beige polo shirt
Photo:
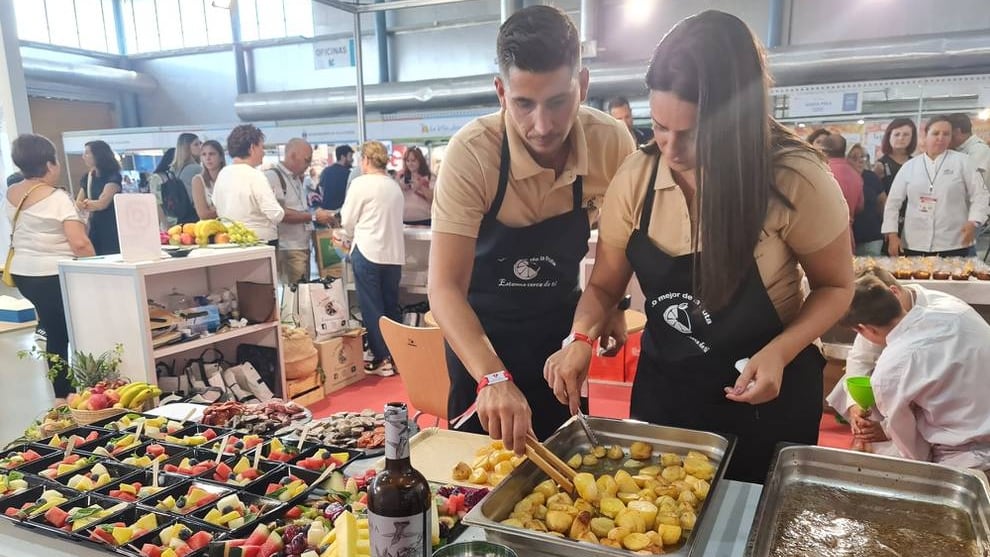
(513, 207)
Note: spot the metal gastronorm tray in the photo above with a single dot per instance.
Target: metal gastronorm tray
(856, 472)
(571, 439)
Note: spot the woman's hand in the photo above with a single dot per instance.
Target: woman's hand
(82, 204)
(761, 380)
(879, 169)
(565, 372)
(616, 332)
(893, 245)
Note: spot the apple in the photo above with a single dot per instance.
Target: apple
(186, 239)
(175, 239)
(221, 238)
(113, 396)
(99, 401)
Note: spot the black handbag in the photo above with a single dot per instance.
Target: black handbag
(265, 361)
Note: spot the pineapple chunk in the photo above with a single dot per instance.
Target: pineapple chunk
(242, 465)
(128, 488)
(213, 517)
(347, 534)
(277, 446)
(147, 522)
(122, 535)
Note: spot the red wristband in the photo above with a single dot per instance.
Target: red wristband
(493, 378)
(576, 336)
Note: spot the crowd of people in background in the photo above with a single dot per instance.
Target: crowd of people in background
(926, 195)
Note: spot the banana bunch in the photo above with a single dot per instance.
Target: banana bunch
(134, 395)
(207, 228)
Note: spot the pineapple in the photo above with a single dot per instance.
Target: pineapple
(87, 370)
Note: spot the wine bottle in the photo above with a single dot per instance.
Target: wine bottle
(399, 498)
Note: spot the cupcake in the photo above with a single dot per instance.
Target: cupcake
(941, 274)
(960, 274)
(982, 274)
(921, 274)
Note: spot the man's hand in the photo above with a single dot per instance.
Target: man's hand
(893, 245)
(505, 414)
(969, 233)
(326, 218)
(765, 371)
(565, 372)
(614, 338)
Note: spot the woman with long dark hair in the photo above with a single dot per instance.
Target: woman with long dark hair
(186, 164)
(212, 160)
(417, 188)
(900, 139)
(717, 218)
(97, 188)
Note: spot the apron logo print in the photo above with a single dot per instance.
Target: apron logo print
(526, 269)
(678, 317)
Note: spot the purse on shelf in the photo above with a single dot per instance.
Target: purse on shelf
(8, 278)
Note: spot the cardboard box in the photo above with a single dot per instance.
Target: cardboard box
(342, 360)
(16, 310)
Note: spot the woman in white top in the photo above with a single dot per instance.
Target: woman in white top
(212, 158)
(946, 199)
(417, 188)
(372, 218)
(48, 230)
(242, 192)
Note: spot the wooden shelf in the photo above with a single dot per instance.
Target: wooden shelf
(210, 340)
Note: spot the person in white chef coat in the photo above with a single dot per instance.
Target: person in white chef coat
(929, 381)
(946, 199)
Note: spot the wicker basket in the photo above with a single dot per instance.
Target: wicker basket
(86, 417)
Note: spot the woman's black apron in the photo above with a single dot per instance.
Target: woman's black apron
(688, 357)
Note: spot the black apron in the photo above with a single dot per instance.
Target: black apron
(688, 357)
(524, 289)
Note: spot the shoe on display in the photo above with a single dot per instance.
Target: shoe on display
(249, 378)
(382, 368)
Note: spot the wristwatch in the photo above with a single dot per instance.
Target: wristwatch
(575, 336)
(493, 378)
(625, 303)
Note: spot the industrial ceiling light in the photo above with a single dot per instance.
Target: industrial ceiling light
(638, 11)
(860, 121)
(984, 114)
(223, 4)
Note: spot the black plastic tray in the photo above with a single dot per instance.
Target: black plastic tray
(266, 468)
(308, 476)
(165, 481)
(352, 455)
(228, 450)
(171, 452)
(42, 451)
(307, 445)
(38, 466)
(269, 507)
(105, 441)
(32, 481)
(181, 489)
(128, 516)
(153, 538)
(31, 495)
(197, 429)
(118, 473)
(81, 431)
(40, 523)
(198, 454)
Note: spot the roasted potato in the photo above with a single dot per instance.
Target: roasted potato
(633, 464)
(688, 518)
(673, 473)
(670, 534)
(701, 490)
(611, 507)
(589, 460)
(601, 526)
(580, 525)
(478, 476)
(560, 499)
(559, 521)
(648, 510)
(640, 451)
(575, 461)
(636, 541)
(599, 451)
(652, 470)
(625, 482)
(586, 488)
(515, 523)
(461, 472)
(547, 487)
(615, 452)
(607, 487)
(669, 459)
(631, 519)
(535, 525)
(669, 518)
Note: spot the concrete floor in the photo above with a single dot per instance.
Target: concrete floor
(25, 392)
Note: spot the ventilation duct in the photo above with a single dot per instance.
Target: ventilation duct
(919, 56)
(89, 75)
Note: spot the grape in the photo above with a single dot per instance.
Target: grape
(297, 545)
(291, 531)
(474, 496)
(446, 491)
(333, 511)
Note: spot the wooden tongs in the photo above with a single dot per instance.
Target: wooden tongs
(551, 464)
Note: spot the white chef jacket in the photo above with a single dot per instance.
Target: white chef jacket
(979, 155)
(930, 383)
(936, 212)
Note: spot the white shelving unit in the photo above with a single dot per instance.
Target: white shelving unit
(106, 302)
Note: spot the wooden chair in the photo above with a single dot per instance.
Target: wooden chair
(418, 355)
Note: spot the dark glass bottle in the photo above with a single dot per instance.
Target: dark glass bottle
(399, 497)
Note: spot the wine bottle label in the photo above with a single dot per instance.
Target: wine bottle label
(407, 536)
(396, 433)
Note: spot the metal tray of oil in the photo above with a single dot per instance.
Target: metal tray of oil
(832, 503)
(571, 439)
